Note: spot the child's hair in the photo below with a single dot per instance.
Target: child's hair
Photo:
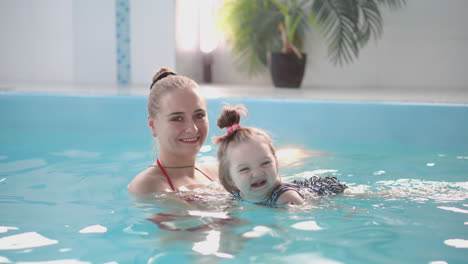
(166, 80)
(230, 119)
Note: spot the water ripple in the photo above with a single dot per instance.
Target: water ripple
(20, 165)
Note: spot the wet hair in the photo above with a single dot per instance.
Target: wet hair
(230, 116)
(163, 81)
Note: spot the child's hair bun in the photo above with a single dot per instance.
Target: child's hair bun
(231, 115)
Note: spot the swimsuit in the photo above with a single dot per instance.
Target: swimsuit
(276, 193)
(322, 186)
(169, 179)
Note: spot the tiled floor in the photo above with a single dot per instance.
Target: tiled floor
(410, 95)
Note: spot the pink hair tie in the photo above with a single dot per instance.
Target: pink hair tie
(232, 128)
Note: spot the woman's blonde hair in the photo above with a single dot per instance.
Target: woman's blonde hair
(230, 116)
(163, 81)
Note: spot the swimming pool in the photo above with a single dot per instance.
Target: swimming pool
(65, 162)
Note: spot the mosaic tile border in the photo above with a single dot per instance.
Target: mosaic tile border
(122, 24)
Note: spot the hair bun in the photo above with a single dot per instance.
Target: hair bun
(231, 115)
(161, 71)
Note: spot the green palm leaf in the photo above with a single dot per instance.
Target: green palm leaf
(251, 27)
(338, 21)
(348, 25)
(248, 25)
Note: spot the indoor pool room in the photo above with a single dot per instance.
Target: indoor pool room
(104, 104)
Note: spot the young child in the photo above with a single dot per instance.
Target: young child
(248, 167)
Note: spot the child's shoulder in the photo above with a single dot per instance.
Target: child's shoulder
(285, 193)
(291, 196)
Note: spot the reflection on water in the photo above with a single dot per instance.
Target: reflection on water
(457, 243)
(206, 226)
(211, 245)
(258, 231)
(77, 154)
(60, 261)
(369, 222)
(20, 165)
(295, 156)
(306, 225)
(24, 241)
(94, 229)
(4, 229)
(453, 209)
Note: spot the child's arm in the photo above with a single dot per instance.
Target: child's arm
(290, 197)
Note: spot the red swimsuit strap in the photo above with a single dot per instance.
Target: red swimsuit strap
(169, 179)
(203, 173)
(165, 174)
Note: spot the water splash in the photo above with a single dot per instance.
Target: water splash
(420, 190)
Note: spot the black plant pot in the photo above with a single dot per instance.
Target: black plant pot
(286, 69)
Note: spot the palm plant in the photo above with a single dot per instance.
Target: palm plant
(255, 28)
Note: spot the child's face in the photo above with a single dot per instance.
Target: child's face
(253, 170)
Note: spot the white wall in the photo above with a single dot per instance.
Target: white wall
(94, 42)
(153, 41)
(423, 45)
(188, 56)
(429, 47)
(36, 41)
(74, 41)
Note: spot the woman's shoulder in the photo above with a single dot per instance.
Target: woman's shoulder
(210, 169)
(147, 181)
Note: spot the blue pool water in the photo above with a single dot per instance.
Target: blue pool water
(65, 162)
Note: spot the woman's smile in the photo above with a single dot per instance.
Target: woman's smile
(192, 140)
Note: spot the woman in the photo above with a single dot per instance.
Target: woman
(177, 117)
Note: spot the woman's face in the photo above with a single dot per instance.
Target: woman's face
(181, 125)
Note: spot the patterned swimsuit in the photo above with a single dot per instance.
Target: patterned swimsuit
(322, 186)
